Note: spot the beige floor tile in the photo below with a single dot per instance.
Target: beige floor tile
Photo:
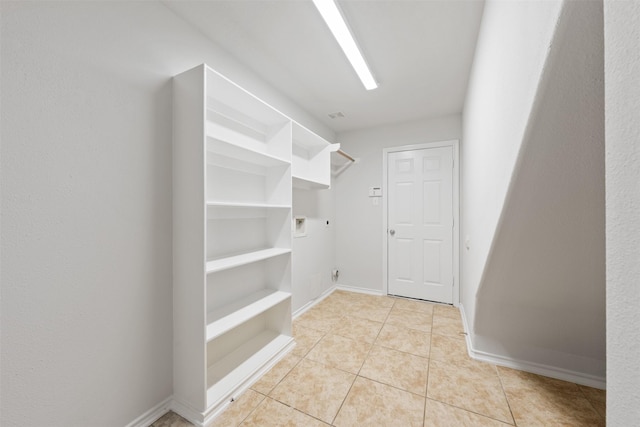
(446, 311)
(438, 414)
(404, 339)
(375, 300)
(401, 370)
(340, 352)
(271, 379)
(370, 311)
(305, 339)
(358, 328)
(414, 305)
(273, 413)
(370, 403)
(450, 326)
(473, 386)
(171, 419)
(445, 348)
(537, 400)
(320, 320)
(336, 302)
(345, 294)
(598, 399)
(410, 319)
(314, 389)
(311, 383)
(237, 411)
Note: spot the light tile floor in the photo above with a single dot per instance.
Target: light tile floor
(364, 360)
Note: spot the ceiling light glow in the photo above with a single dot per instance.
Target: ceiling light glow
(332, 16)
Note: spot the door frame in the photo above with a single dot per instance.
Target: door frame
(455, 144)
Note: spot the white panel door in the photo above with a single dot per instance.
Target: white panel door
(420, 223)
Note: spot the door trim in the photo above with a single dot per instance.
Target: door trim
(455, 144)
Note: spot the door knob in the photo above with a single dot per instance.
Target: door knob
(392, 232)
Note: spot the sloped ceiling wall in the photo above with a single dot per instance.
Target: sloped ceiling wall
(541, 297)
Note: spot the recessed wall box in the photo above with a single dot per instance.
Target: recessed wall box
(299, 226)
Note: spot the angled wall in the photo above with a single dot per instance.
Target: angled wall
(534, 284)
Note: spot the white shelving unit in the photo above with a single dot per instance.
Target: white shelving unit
(311, 159)
(232, 183)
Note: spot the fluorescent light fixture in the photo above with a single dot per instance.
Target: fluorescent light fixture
(332, 16)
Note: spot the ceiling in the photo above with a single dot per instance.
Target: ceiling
(420, 52)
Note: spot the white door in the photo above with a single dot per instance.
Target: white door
(420, 224)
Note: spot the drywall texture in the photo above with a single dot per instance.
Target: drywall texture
(541, 296)
(86, 205)
(512, 45)
(313, 255)
(622, 104)
(359, 228)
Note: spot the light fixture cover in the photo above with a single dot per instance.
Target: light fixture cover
(338, 26)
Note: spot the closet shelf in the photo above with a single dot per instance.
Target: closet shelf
(247, 205)
(244, 258)
(308, 184)
(306, 140)
(254, 354)
(232, 315)
(242, 148)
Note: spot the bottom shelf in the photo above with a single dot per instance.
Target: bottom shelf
(242, 363)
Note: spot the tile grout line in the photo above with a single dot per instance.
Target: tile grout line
(264, 397)
(471, 412)
(591, 403)
(426, 391)
(358, 374)
(505, 395)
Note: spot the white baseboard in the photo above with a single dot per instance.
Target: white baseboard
(527, 366)
(331, 290)
(153, 414)
(313, 302)
(187, 412)
(359, 290)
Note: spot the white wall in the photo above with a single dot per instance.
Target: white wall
(622, 103)
(313, 256)
(512, 45)
(539, 299)
(86, 205)
(358, 222)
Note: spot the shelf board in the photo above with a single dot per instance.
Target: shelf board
(247, 205)
(304, 138)
(226, 374)
(222, 90)
(308, 184)
(244, 258)
(227, 143)
(228, 317)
